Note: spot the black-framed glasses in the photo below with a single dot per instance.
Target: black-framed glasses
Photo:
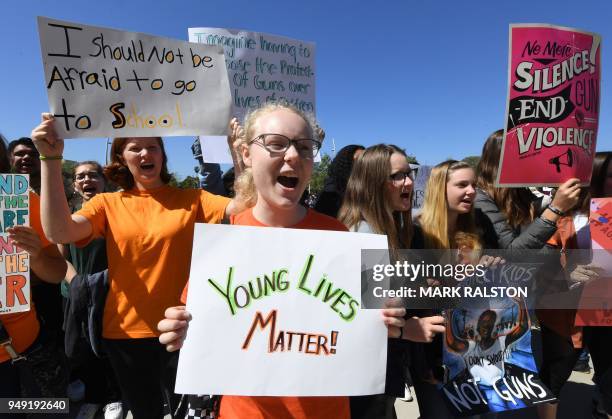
(279, 144)
(400, 177)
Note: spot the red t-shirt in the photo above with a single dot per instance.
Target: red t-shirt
(258, 407)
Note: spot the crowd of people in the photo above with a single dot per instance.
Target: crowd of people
(117, 321)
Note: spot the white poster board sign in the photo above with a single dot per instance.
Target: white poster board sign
(107, 83)
(261, 68)
(276, 312)
(14, 262)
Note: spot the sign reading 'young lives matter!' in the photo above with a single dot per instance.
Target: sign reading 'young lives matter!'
(14, 262)
(281, 316)
(104, 82)
(553, 106)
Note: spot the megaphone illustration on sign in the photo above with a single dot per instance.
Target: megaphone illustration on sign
(565, 159)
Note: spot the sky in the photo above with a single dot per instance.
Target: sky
(428, 76)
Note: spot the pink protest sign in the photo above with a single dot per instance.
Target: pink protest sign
(552, 111)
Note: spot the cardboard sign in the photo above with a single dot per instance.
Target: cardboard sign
(14, 262)
(261, 68)
(418, 190)
(107, 83)
(488, 353)
(596, 298)
(552, 112)
(281, 316)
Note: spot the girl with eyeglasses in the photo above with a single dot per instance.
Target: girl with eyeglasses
(378, 200)
(278, 151)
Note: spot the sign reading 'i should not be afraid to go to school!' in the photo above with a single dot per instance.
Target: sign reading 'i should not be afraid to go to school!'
(108, 83)
(281, 316)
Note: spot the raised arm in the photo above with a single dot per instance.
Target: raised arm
(59, 226)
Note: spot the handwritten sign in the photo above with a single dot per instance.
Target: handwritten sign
(104, 82)
(282, 313)
(552, 112)
(261, 68)
(595, 301)
(14, 262)
(418, 190)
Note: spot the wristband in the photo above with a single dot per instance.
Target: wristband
(549, 222)
(556, 210)
(60, 157)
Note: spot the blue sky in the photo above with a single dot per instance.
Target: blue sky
(428, 76)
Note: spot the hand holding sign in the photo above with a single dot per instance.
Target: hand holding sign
(174, 327)
(423, 329)
(45, 138)
(26, 238)
(567, 195)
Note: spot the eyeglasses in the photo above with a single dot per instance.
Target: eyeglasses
(279, 144)
(90, 175)
(400, 177)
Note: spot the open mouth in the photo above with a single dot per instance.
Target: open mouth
(405, 195)
(288, 181)
(89, 189)
(147, 166)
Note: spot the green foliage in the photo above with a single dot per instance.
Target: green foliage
(472, 161)
(190, 182)
(67, 169)
(319, 173)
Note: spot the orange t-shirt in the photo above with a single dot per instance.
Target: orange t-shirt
(149, 235)
(23, 327)
(259, 407)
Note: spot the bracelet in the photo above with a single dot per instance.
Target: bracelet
(549, 222)
(556, 210)
(60, 157)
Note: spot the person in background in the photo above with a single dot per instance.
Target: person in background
(330, 199)
(378, 200)
(25, 160)
(563, 343)
(95, 374)
(22, 333)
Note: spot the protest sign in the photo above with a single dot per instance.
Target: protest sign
(488, 353)
(281, 316)
(105, 82)
(14, 262)
(596, 299)
(418, 190)
(261, 68)
(552, 110)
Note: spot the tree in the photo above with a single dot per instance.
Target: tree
(472, 161)
(319, 173)
(190, 182)
(67, 171)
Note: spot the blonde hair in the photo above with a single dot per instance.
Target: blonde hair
(367, 197)
(244, 184)
(434, 216)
